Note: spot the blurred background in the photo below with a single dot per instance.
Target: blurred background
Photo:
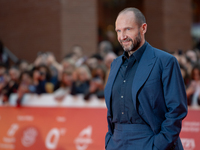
(44, 44)
(30, 26)
(55, 57)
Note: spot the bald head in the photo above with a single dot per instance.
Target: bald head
(131, 27)
(139, 17)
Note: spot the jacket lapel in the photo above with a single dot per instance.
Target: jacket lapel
(143, 71)
(113, 73)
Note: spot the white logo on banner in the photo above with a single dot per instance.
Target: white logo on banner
(14, 127)
(84, 139)
(188, 144)
(53, 133)
(191, 126)
(53, 137)
(10, 140)
(29, 137)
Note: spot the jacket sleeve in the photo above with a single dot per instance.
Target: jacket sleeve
(176, 103)
(109, 120)
(110, 130)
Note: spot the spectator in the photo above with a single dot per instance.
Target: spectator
(4, 90)
(2, 71)
(104, 48)
(107, 61)
(41, 59)
(65, 85)
(112, 38)
(185, 75)
(192, 56)
(78, 55)
(68, 63)
(25, 86)
(97, 83)
(3, 55)
(81, 80)
(13, 83)
(193, 91)
(92, 63)
(4, 79)
(42, 80)
(54, 67)
(191, 60)
(23, 65)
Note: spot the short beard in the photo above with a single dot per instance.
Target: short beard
(134, 46)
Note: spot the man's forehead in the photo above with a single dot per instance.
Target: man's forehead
(126, 14)
(125, 18)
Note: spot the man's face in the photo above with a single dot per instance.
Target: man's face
(128, 32)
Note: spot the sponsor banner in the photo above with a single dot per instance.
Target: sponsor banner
(34, 128)
(190, 133)
(70, 128)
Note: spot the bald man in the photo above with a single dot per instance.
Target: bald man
(145, 93)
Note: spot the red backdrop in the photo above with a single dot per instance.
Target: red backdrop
(52, 128)
(70, 128)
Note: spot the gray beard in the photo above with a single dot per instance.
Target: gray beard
(135, 45)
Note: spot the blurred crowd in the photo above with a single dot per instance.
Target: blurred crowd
(75, 74)
(189, 62)
(80, 74)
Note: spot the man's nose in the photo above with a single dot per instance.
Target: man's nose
(123, 36)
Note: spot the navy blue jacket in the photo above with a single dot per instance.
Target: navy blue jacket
(159, 88)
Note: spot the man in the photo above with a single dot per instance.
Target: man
(145, 93)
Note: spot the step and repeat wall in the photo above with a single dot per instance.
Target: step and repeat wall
(69, 124)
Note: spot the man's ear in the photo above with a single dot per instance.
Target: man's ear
(144, 28)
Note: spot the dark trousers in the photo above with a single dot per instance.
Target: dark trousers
(131, 137)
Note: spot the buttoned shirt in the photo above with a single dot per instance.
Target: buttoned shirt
(123, 111)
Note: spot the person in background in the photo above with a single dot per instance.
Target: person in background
(97, 83)
(78, 56)
(2, 72)
(4, 58)
(42, 79)
(185, 75)
(54, 67)
(92, 63)
(13, 82)
(68, 63)
(105, 47)
(65, 85)
(23, 65)
(4, 79)
(111, 37)
(25, 86)
(48, 59)
(81, 80)
(191, 56)
(191, 60)
(193, 90)
(107, 61)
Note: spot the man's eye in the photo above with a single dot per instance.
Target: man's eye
(118, 31)
(128, 29)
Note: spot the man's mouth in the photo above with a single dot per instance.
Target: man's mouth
(125, 41)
